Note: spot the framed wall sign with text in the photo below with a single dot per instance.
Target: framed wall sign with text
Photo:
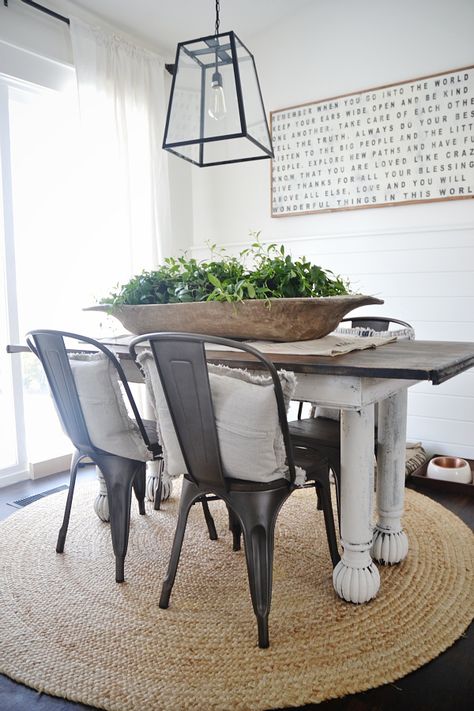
(396, 144)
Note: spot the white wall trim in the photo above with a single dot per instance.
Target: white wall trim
(50, 466)
(349, 235)
(14, 477)
(38, 470)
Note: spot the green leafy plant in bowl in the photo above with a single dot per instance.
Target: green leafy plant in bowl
(259, 272)
(263, 293)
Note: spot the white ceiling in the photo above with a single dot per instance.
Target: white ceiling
(167, 22)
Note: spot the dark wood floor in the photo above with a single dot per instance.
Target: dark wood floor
(445, 683)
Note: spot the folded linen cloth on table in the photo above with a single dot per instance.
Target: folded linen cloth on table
(331, 345)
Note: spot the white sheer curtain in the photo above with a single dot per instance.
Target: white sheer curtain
(122, 107)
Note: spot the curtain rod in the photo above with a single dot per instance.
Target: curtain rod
(51, 13)
(41, 8)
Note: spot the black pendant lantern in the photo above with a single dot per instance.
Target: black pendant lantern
(216, 113)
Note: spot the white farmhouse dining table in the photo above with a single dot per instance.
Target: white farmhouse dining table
(353, 383)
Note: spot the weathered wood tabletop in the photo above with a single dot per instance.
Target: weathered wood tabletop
(436, 361)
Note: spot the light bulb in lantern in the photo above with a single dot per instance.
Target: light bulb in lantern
(217, 108)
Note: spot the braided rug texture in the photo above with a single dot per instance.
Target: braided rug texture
(68, 629)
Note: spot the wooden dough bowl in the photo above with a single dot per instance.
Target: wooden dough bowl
(276, 320)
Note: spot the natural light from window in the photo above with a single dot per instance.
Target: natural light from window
(57, 274)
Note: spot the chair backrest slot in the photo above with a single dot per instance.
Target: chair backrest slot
(185, 383)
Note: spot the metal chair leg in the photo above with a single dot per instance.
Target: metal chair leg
(324, 495)
(139, 486)
(76, 458)
(211, 526)
(159, 487)
(257, 512)
(118, 475)
(189, 495)
(259, 554)
(320, 504)
(235, 528)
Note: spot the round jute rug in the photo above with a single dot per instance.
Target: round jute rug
(68, 629)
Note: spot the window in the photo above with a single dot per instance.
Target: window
(46, 275)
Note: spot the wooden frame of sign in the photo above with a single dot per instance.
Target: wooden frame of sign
(396, 144)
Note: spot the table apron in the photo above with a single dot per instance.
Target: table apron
(340, 391)
(346, 392)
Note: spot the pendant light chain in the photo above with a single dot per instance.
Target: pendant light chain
(218, 7)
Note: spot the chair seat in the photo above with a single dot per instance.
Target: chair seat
(315, 467)
(246, 485)
(318, 432)
(315, 431)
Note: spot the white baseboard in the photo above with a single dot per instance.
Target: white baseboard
(50, 466)
(38, 470)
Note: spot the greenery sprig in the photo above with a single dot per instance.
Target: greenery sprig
(272, 274)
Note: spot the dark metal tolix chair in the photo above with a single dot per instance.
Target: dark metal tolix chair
(190, 394)
(89, 391)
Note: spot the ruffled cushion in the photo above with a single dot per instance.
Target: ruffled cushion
(108, 423)
(248, 429)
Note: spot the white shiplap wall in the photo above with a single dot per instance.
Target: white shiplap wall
(426, 277)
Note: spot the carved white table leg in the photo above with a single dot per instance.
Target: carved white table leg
(154, 469)
(355, 577)
(101, 503)
(390, 541)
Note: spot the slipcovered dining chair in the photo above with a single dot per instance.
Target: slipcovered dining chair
(231, 430)
(321, 431)
(90, 391)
